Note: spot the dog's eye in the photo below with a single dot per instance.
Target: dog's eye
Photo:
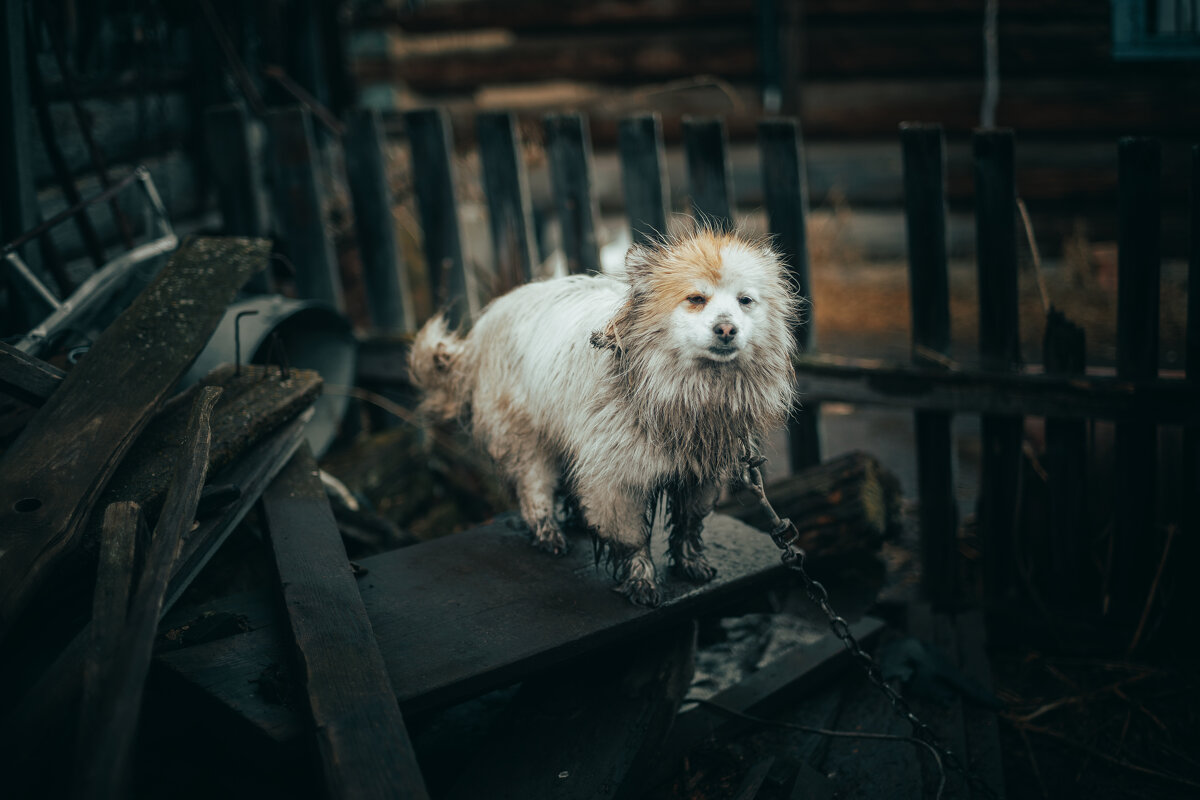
(744, 300)
(697, 300)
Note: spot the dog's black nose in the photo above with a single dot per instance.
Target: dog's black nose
(725, 331)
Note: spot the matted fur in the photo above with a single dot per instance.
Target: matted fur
(619, 388)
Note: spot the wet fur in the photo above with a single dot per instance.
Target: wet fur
(603, 387)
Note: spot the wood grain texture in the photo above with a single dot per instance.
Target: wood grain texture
(467, 613)
(52, 476)
(106, 755)
(709, 181)
(364, 747)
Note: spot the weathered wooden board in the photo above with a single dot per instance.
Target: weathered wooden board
(52, 476)
(569, 150)
(460, 615)
(363, 745)
(25, 377)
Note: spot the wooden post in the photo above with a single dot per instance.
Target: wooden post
(785, 192)
(234, 158)
(929, 291)
(18, 200)
(300, 205)
(1136, 547)
(363, 745)
(709, 182)
(389, 298)
(450, 286)
(999, 350)
(569, 147)
(509, 209)
(644, 175)
(1071, 580)
(1189, 542)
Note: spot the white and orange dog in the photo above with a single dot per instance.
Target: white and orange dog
(614, 390)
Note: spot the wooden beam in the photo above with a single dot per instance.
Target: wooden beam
(364, 747)
(52, 476)
(823, 377)
(710, 185)
(25, 377)
(523, 612)
(106, 740)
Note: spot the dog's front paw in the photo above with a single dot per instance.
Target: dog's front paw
(641, 592)
(548, 537)
(695, 569)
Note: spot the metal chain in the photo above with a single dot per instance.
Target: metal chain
(785, 534)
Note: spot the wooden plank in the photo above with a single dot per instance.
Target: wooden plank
(523, 613)
(25, 377)
(106, 750)
(300, 205)
(44, 704)
(1190, 541)
(389, 296)
(785, 192)
(510, 216)
(18, 203)
(569, 148)
(537, 14)
(929, 291)
(1169, 401)
(1136, 545)
(937, 631)
(709, 181)
(644, 176)
(999, 350)
(363, 745)
(587, 732)
(433, 181)
(52, 475)
(1071, 579)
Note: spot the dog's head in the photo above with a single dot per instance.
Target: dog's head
(704, 295)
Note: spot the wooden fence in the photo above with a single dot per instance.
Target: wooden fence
(1002, 391)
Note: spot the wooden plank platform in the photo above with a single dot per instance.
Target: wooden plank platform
(457, 616)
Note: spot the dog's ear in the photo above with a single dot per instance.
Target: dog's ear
(609, 337)
(638, 262)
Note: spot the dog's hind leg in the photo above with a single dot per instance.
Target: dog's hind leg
(621, 518)
(536, 480)
(687, 506)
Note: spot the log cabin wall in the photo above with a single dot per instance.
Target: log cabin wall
(852, 70)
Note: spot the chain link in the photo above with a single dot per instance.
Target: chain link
(785, 534)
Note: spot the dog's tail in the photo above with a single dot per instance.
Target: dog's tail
(434, 367)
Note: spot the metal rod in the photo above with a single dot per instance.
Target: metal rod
(37, 231)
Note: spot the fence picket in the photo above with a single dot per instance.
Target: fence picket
(450, 286)
(389, 298)
(569, 147)
(300, 205)
(785, 192)
(509, 210)
(999, 350)
(709, 182)
(925, 216)
(1136, 546)
(644, 176)
(236, 168)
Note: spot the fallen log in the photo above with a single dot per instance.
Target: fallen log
(845, 505)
